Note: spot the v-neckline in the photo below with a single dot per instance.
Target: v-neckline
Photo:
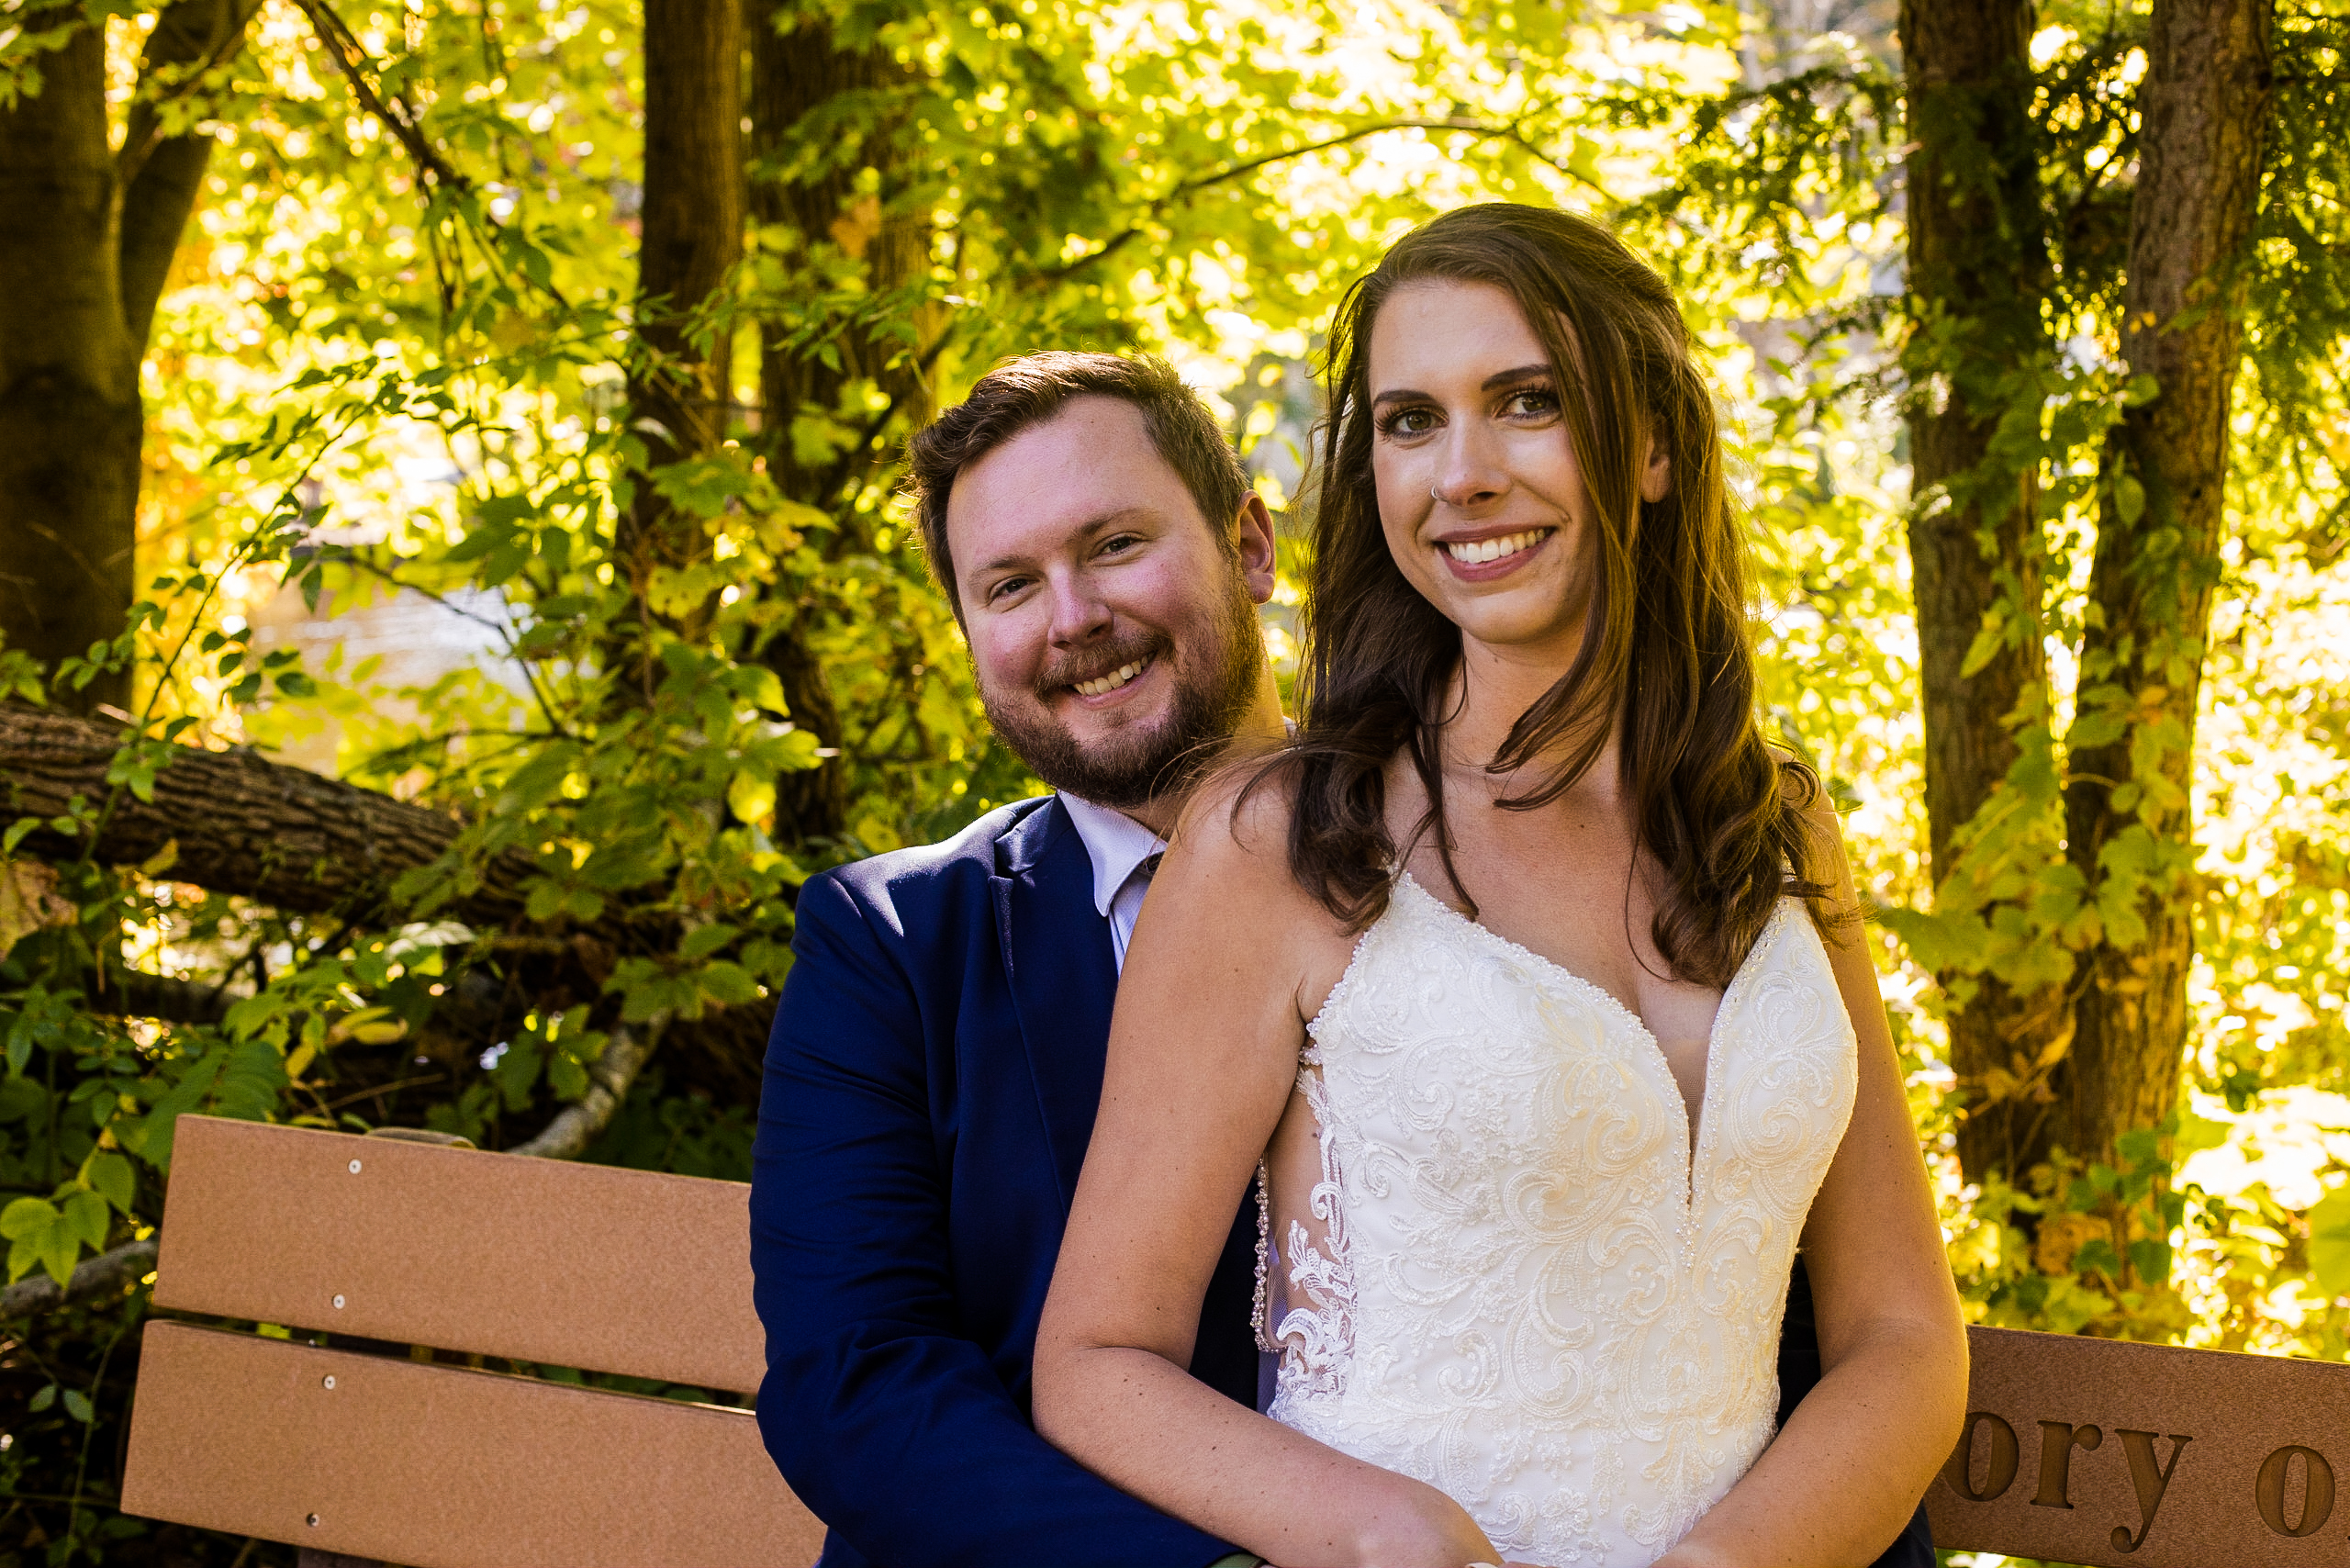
(1609, 1000)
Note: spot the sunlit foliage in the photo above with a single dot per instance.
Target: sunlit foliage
(374, 393)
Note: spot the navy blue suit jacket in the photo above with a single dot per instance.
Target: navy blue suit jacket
(930, 1089)
(931, 1086)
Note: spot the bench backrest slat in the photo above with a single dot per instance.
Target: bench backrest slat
(2071, 1439)
(438, 1467)
(581, 1266)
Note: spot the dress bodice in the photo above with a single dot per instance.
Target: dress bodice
(1514, 1278)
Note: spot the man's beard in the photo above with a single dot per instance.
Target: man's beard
(1144, 762)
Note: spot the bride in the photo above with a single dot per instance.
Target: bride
(1528, 977)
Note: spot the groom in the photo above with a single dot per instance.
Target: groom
(937, 1054)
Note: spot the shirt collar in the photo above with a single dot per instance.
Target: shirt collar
(1114, 842)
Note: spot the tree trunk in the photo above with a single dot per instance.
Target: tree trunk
(83, 254)
(839, 184)
(2130, 825)
(69, 376)
(691, 237)
(1977, 267)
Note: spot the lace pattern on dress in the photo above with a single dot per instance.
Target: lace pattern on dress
(1533, 1294)
(1314, 1341)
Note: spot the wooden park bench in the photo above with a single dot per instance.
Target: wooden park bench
(352, 1426)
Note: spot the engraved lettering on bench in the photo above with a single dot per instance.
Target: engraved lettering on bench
(2057, 1441)
(2000, 1469)
(2317, 1495)
(2148, 1480)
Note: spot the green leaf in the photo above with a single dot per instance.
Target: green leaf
(87, 1218)
(26, 1217)
(2129, 498)
(750, 797)
(43, 1400)
(702, 942)
(727, 983)
(2329, 1242)
(77, 1405)
(113, 1177)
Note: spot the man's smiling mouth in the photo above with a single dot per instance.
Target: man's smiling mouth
(1103, 685)
(1477, 552)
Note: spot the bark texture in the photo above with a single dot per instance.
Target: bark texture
(2205, 106)
(108, 1272)
(1977, 259)
(826, 165)
(69, 374)
(691, 237)
(283, 835)
(83, 255)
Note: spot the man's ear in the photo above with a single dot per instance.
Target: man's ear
(1656, 479)
(1254, 530)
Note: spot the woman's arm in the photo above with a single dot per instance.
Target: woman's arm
(1845, 1473)
(1203, 1056)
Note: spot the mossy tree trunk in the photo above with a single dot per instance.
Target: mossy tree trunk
(2130, 825)
(2083, 1039)
(1977, 269)
(828, 169)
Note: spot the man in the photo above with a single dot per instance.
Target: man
(937, 1054)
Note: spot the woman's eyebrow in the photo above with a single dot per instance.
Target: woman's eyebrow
(1511, 378)
(1505, 378)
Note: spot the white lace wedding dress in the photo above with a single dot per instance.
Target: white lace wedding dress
(1511, 1278)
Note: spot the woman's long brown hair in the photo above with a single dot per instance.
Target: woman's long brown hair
(1665, 650)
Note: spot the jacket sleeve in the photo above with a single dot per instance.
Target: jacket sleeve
(885, 1421)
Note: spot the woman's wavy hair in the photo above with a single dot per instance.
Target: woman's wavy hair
(1665, 650)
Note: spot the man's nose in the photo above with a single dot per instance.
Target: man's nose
(1079, 614)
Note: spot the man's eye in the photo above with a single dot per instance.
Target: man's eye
(1009, 586)
(1119, 544)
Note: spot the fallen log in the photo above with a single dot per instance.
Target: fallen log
(276, 833)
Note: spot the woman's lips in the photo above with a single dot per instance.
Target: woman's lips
(1481, 560)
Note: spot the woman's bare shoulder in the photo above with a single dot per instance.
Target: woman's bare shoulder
(1237, 822)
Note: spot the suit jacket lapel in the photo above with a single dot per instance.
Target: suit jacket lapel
(1063, 975)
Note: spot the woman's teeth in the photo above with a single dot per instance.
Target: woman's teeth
(1111, 681)
(1476, 552)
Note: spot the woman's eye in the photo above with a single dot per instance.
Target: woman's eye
(1408, 423)
(1534, 402)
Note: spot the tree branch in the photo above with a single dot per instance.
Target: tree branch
(397, 115)
(106, 1273)
(1191, 188)
(609, 1077)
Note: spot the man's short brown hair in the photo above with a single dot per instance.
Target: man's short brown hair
(1022, 393)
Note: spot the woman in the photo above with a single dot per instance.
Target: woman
(1528, 904)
